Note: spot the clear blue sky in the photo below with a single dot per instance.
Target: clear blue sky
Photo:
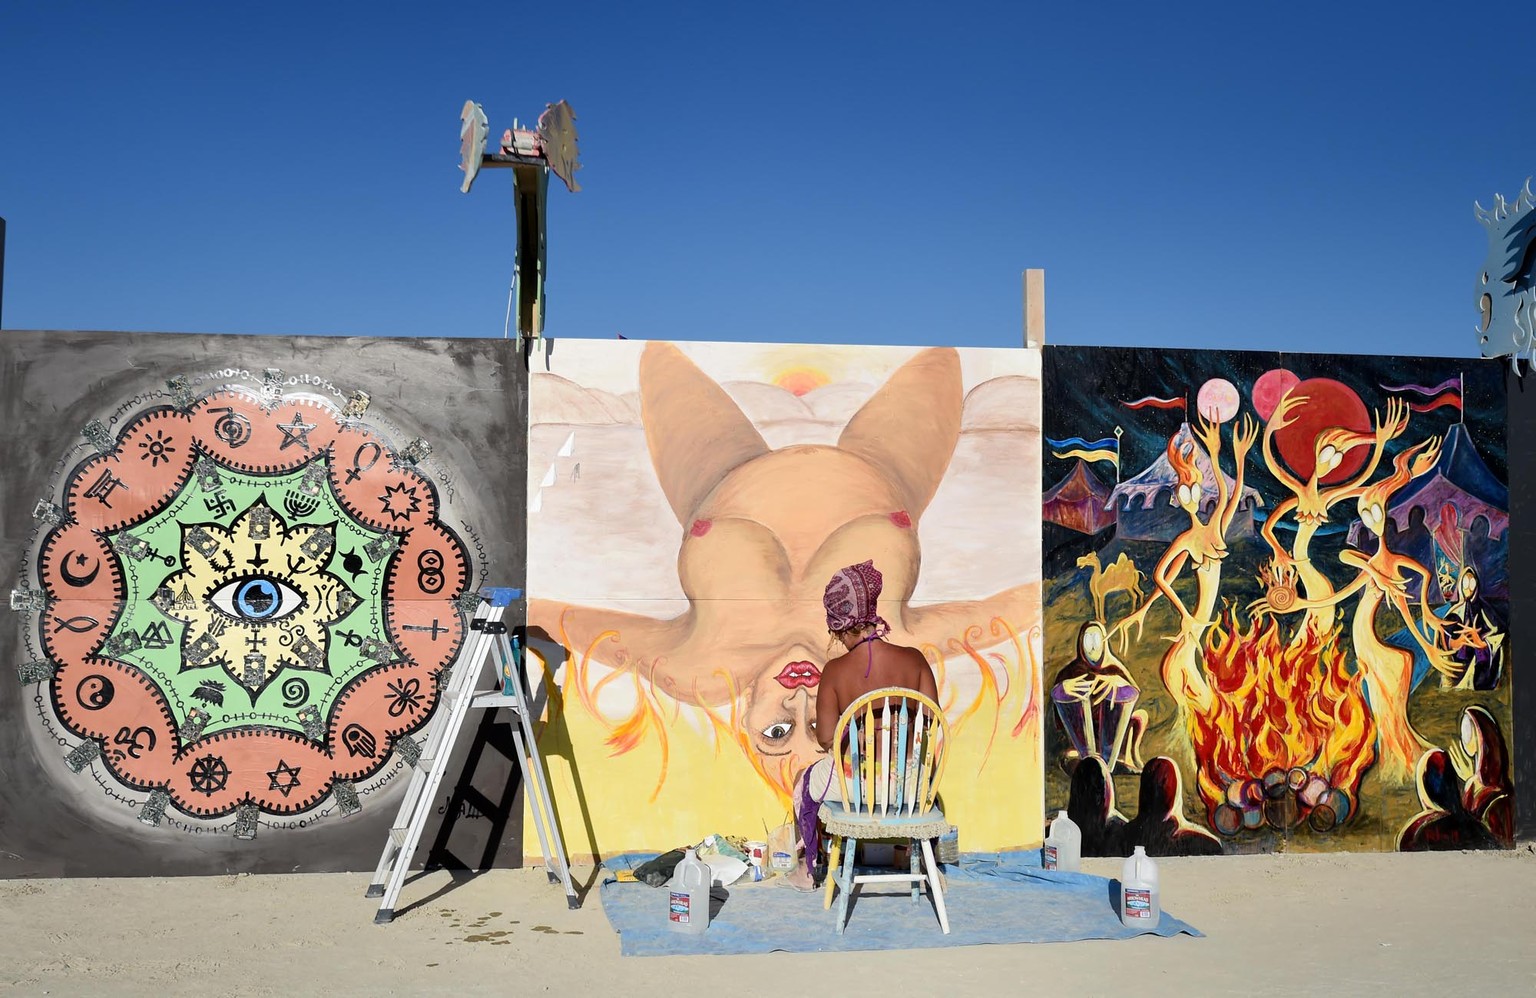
(1266, 176)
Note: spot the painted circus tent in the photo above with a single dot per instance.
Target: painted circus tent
(692, 502)
(1310, 664)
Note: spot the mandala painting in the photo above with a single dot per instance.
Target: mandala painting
(247, 604)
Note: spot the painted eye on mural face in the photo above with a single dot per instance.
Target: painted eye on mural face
(778, 731)
(1186, 494)
(258, 599)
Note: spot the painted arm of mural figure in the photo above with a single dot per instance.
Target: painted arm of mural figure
(1387, 429)
(1261, 607)
(1243, 439)
(1279, 420)
(1167, 570)
(1210, 435)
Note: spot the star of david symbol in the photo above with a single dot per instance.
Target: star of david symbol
(296, 432)
(284, 777)
(209, 774)
(400, 501)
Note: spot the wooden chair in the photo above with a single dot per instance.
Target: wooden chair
(889, 757)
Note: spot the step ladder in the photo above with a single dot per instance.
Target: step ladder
(488, 641)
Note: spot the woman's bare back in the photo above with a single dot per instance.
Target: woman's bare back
(871, 666)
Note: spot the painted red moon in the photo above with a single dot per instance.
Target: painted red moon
(1329, 404)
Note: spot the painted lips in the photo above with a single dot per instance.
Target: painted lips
(797, 674)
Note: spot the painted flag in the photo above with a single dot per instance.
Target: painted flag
(1105, 449)
(1153, 402)
(1447, 392)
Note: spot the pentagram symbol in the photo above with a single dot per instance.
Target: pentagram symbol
(404, 695)
(232, 427)
(157, 448)
(296, 432)
(284, 778)
(209, 775)
(400, 501)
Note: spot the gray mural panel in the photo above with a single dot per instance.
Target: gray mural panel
(234, 560)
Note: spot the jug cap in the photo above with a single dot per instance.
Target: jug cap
(1140, 851)
(1061, 814)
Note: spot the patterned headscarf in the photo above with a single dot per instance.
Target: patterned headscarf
(851, 599)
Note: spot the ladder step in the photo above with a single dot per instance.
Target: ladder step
(496, 698)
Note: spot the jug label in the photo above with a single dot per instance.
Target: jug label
(1050, 857)
(679, 907)
(1138, 902)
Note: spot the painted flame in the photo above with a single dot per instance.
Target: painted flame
(1279, 705)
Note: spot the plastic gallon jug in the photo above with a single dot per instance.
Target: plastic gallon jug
(688, 896)
(1139, 904)
(1063, 845)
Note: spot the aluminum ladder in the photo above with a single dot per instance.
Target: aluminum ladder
(488, 641)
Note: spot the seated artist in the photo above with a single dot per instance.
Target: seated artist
(869, 663)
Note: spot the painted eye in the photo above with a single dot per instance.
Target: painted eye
(1377, 513)
(1326, 455)
(778, 731)
(1185, 494)
(1468, 735)
(256, 599)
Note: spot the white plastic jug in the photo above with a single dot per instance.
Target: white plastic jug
(688, 896)
(1139, 904)
(1063, 845)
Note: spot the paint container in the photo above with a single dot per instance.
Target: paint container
(1140, 907)
(688, 896)
(757, 855)
(1063, 848)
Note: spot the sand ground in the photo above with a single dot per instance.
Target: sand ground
(1284, 924)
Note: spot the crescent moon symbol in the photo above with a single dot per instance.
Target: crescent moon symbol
(78, 581)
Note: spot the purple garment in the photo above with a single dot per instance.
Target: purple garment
(810, 827)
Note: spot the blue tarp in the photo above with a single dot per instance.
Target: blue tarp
(997, 898)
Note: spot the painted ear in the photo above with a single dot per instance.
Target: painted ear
(909, 428)
(695, 432)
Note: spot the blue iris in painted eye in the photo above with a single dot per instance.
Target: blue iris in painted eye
(256, 599)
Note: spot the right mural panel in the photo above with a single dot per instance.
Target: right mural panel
(1276, 601)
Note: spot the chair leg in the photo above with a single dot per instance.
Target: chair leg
(850, 848)
(833, 854)
(913, 867)
(934, 890)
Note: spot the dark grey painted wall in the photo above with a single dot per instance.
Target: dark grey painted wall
(1521, 436)
(468, 398)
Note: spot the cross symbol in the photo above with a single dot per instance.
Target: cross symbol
(255, 640)
(434, 630)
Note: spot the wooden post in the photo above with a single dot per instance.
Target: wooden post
(1034, 308)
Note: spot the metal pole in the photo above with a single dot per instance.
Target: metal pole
(2, 273)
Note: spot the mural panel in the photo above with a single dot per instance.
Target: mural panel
(238, 597)
(688, 504)
(1277, 597)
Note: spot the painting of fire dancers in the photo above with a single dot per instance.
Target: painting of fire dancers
(1303, 642)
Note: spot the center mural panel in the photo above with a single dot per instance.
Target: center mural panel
(688, 504)
(1277, 601)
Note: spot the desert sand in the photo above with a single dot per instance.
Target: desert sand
(1286, 924)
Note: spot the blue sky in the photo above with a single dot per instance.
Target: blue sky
(1293, 177)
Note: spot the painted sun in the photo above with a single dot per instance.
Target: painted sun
(801, 380)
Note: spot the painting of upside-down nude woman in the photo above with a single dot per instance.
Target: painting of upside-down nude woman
(688, 504)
